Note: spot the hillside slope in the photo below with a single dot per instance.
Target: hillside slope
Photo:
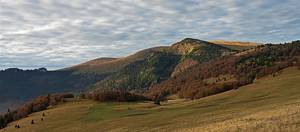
(229, 72)
(111, 65)
(269, 104)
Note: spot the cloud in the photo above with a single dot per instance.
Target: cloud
(50, 26)
(60, 33)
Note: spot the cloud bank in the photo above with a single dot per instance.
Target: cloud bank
(61, 33)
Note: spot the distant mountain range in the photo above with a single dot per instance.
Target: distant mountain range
(151, 71)
(18, 86)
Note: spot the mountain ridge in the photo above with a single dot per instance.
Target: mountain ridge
(87, 67)
(177, 58)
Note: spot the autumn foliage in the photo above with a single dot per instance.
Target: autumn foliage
(38, 104)
(229, 72)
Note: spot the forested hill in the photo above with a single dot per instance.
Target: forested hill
(229, 72)
(159, 65)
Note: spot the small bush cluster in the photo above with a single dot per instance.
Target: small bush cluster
(115, 95)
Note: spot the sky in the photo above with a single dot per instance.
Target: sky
(61, 33)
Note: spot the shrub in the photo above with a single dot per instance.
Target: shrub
(82, 96)
(2, 122)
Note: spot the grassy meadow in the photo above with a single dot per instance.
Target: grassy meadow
(269, 104)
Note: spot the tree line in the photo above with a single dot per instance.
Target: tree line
(113, 96)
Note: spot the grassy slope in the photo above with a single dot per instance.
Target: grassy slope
(270, 104)
(237, 45)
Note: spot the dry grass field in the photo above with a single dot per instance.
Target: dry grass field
(269, 104)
